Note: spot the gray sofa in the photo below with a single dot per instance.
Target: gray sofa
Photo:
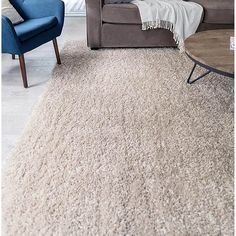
(119, 25)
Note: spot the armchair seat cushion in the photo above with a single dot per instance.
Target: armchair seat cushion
(32, 27)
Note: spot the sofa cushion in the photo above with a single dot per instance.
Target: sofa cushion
(215, 11)
(32, 27)
(121, 14)
(117, 1)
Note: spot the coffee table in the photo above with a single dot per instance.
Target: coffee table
(211, 50)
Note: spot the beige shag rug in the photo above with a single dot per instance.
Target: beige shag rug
(120, 144)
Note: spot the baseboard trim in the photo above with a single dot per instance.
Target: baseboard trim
(79, 13)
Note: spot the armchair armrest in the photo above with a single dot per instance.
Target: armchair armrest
(94, 22)
(10, 42)
(36, 9)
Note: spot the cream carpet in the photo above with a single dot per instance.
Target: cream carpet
(119, 144)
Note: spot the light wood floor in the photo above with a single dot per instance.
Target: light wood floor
(17, 102)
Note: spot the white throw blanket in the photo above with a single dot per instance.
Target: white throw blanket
(180, 17)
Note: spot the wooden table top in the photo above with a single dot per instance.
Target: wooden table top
(212, 48)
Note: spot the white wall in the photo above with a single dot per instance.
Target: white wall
(75, 7)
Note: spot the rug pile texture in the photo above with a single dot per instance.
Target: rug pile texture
(120, 144)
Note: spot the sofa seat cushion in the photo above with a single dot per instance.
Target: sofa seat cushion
(121, 14)
(217, 11)
(32, 27)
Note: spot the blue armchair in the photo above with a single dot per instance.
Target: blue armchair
(43, 22)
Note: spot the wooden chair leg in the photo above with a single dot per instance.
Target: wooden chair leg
(23, 70)
(56, 51)
(13, 56)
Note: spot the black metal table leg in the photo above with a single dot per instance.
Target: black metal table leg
(191, 73)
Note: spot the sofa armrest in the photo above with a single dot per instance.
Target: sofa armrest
(94, 22)
(10, 42)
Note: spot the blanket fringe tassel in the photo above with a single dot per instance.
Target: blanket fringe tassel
(165, 25)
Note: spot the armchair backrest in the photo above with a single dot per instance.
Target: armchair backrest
(29, 9)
